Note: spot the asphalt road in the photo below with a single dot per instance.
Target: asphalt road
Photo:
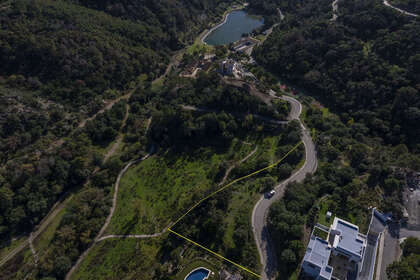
(390, 249)
(259, 213)
(386, 3)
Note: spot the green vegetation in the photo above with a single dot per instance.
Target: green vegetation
(411, 6)
(325, 206)
(358, 145)
(124, 259)
(223, 222)
(195, 264)
(62, 62)
(409, 265)
(198, 47)
(159, 189)
(302, 51)
(12, 244)
(8, 271)
(155, 258)
(45, 239)
(320, 233)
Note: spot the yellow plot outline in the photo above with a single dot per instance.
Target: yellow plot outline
(219, 190)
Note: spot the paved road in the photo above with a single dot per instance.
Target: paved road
(391, 249)
(259, 213)
(386, 3)
(368, 267)
(335, 9)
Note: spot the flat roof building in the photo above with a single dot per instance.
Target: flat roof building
(340, 255)
(347, 239)
(315, 262)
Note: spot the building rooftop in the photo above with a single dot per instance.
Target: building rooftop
(347, 237)
(318, 253)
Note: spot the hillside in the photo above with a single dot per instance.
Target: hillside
(60, 63)
(365, 65)
(359, 77)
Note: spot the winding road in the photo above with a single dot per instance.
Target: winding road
(335, 9)
(386, 3)
(259, 213)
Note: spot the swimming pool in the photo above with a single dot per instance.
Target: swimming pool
(200, 273)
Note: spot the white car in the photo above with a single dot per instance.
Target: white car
(271, 193)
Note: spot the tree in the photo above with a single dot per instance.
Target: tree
(288, 257)
(411, 246)
(61, 266)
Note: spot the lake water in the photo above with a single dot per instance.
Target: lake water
(198, 274)
(237, 23)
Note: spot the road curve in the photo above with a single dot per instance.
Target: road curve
(334, 9)
(259, 213)
(386, 3)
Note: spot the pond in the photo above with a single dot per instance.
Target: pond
(198, 274)
(236, 24)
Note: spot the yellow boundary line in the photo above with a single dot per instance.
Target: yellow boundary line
(214, 253)
(219, 190)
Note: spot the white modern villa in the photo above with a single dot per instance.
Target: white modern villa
(339, 256)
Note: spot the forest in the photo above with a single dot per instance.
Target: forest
(79, 163)
(363, 69)
(60, 63)
(364, 65)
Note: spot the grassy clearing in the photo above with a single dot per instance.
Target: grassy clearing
(20, 267)
(123, 259)
(157, 190)
(198, 47)
(223, 222)
(44, 239)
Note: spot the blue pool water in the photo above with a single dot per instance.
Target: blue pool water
(198, 274)
(237, 23)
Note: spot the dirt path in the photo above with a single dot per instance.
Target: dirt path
(120, 136)
(139, 236)
(60, 205)
(235, 165)
(113, 207)
(43, 225)
(108, 219)
(252, 89)
(58, 143)
(31, 246)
